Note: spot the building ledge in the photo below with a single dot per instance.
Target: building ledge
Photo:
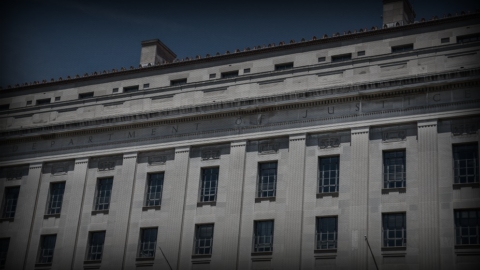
(95, 212)
(266, 253)
(201, 256)
(6, 219)
(327, 194)
(200, 204)
(47, 216)
(144, 259)
(472, 185)
(394, 251)
(43, 265)
(271, 199)
(325, 251)
(399, 190)
(92, 262)
(156, 207)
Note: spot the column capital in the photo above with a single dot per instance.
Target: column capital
(360, 130)
(182, 149)
(298, 137)
(129, 155)
(427, 123)
(83, 160)
(238, 143)
(35, 165)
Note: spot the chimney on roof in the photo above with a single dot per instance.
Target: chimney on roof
(154, 51)
(397, 11)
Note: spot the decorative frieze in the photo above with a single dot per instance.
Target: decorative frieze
(268, 147)
(106, 165)
(464, 128)
(58, 168)
(329, 142)
(394, 135)
(211, 153)
(14, 173)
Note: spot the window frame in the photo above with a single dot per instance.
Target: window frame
(475, 163)
(284, 66)
(341, 57)
(147, 201)
(43, 101)
(140, 248)
(268, 246)
(197, 241)
(317, 234)
(403, 48)
(202, 190)
(130, 89)
(178, 82)
(260, 191)
(5, 202)
(477, 228)
(40, 256)
(229, 74)
(320, 185)
(49, 201)
(96, 203)
(4, 246)
(89, 252)
(403, 231)
(86, 95)
(468, 38)
(386, 169)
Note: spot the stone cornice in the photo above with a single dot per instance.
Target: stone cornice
(371, 90)
(313, 42)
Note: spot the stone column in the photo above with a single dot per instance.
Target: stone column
(176, 205)
(119, 212)
(72, 205)
(359, 197)
(428, 218)
(294, 202)
(24, 217)
(233, 207)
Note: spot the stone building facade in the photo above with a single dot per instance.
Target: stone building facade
(284, 156)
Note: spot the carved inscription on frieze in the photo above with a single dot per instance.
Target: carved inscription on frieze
(208, 154)
(330, 142)
(464, 128)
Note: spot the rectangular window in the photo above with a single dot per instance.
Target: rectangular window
(154, 189)
(148, 243)
(328, 168)
(115, 90)
(394, 230)
(361, 53)
(343, 57)
(208, 191)
(465, 163)
(468, 38)
(43, 101)
(267, 179)
(326, 233)
(445, 40)
(55, 198)
(10, 200)
(85, 95)
(321, 59)
(4, 243)
(230, 74)
(212, 76)
(178, 82)
(284, 66)
(247, 70)
(263, 236)
(402, 48)
(394, 175)
(47, 247)
(203, 239)
(104, 192)
(146, 85)
(29, 102)
(467, 227)
(130, 89)
(57, 98)
(95, 246)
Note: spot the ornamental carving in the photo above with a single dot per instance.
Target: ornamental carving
(106, 165)
(59, 169)
(208, 154)
(394, 135)
(268, 147)
(330, 142)
(465, 128)
(12, 174)
(157, 160)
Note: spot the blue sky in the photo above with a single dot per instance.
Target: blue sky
(57, 38)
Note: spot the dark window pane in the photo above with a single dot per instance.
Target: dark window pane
(208, 192)
(394, 230)
(47, 247)
(402, 48)
(204, 239)
(10, 201)
(178, 82)
(267, 183)
(104, 192)
(343, 57)
(284, 66)
(4, 244)
(231, 74)
(95, 247)
(154, 189)
(326, 233)
(465, 163)
(85, 95)
(467, 224)
(148, 243)
(328, 177)
(394, 172)
(56, 198)
(468, 38)
(263, 236)
(130, 89)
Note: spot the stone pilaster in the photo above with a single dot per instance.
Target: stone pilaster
(428, 204)
(359, 195)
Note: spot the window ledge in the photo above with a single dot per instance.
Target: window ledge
(266, 253)
(325, 251)
(6, 219)
(393, 249)
(272, 199)
(201, 256)
(43, 265)
(47, 216)
(95, 212)
(472, 185)
(92, 262)
(467, 248)
(399, 190)
(199, 204)
(327, 194)
(156, 207)
(143, 259)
